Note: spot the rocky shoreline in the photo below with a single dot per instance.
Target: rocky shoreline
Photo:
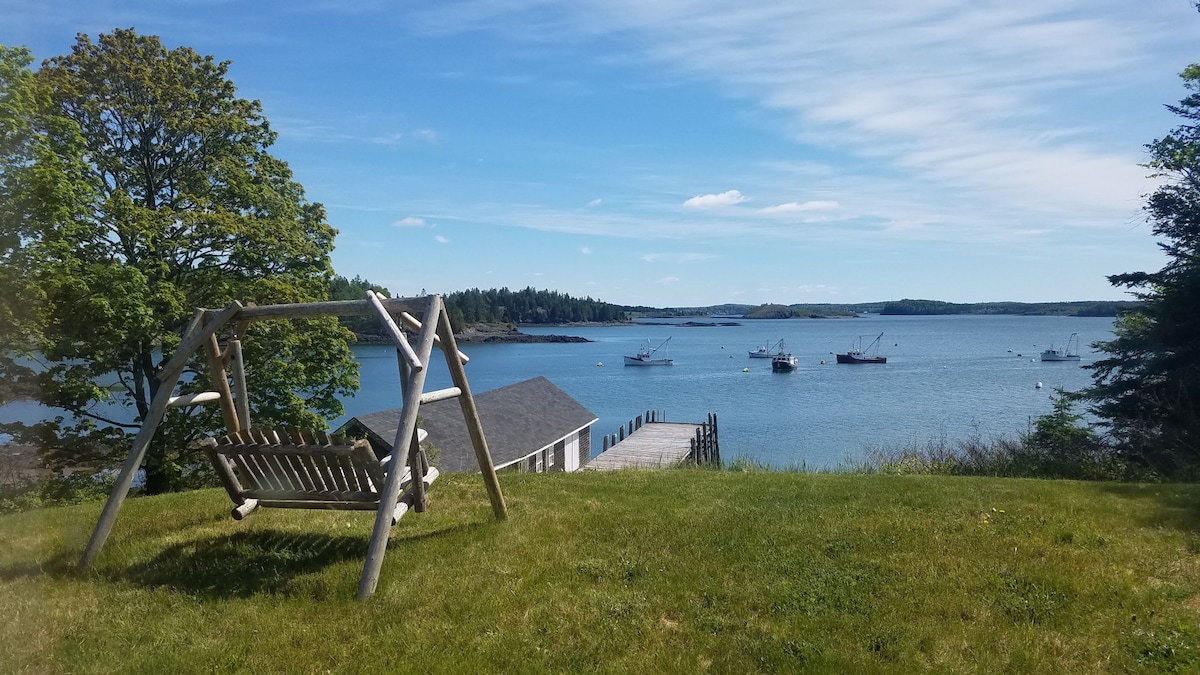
(482, 333)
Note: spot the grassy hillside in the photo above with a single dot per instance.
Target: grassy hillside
(680, 571)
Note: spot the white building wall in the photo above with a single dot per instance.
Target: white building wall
(571, 453)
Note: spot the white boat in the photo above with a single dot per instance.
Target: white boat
(783, 362)
(1069, 353)
(645, 356)
(763, 352)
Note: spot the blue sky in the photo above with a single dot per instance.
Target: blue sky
(696, 152)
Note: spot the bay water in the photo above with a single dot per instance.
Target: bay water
(946, 378)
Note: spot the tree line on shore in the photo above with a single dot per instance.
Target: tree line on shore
(526, 306)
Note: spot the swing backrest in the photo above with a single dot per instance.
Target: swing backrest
(297, 468)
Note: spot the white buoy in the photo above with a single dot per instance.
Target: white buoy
(745, 370)
(599, 363)
(1038, 385)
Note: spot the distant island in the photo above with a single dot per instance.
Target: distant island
(493, 315)
(906, 307)
(1078, 308)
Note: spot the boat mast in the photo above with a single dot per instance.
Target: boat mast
(874, 342)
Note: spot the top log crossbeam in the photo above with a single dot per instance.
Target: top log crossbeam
(301, 310)
(401, 307)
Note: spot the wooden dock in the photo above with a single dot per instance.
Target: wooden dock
(659, 445)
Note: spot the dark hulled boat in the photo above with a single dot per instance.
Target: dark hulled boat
(868, 355)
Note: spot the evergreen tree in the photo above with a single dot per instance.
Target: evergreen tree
(1147, 389)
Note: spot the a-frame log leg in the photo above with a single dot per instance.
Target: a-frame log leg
(193, 339)
(413, 387)
(459, 376)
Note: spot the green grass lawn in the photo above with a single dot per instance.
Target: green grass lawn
(668, 571)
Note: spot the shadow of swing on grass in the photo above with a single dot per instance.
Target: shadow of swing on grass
(241, 564)
(254, 562)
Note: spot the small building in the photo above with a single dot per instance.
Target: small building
(530, 426)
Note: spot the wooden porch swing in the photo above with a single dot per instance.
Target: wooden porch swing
(292, 468)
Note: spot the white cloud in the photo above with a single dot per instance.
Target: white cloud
(410, 221)
(727, 198)
(669, 280)
(595, 202)
(795, 207)
(441, 240)
(586, 250)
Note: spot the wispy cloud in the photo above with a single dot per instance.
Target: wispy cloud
(668, 280)
(595, 202)
(676, 257)
(586, 250)
(794, 207)
(410, 221)
(716, 201)
(397, 138)
(441, 240)
(943, 96)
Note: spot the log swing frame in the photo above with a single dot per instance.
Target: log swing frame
(413, 360)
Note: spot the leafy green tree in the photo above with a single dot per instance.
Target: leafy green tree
(1147, 389)
(147, 190)
(18, 148)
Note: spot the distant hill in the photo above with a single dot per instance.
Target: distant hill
(531, 306)
(1076, 308)
(892, 308)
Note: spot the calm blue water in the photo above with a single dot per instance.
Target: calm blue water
(946, 377)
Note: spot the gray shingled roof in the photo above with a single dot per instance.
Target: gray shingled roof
(518, 420)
